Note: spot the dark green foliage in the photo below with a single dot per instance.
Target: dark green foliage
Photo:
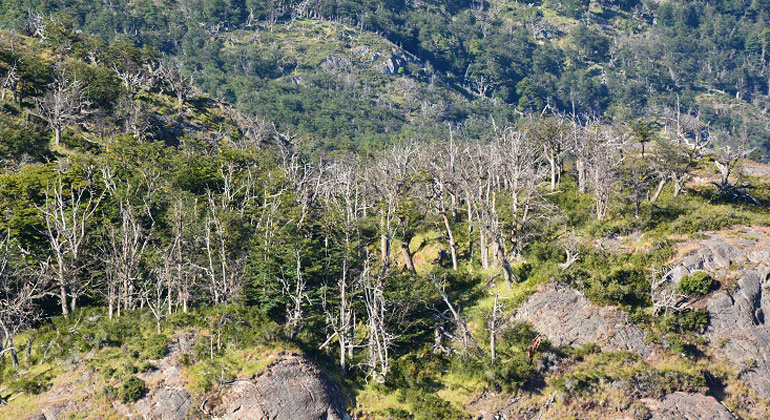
(627, 287)
(428, 406)
(513, 369)
(685, 322)
(22, 138)
(154, 347)
(33, 385)
(132, 390)
(662, 55)
(698, 283)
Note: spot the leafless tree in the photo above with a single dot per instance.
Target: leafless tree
(665, 298)
(136, 119)
(727, 157)
(571, 251)
(553, 135)
(223, 267)
(685, 139)
(132, 76)
(379, 338)
(124, 251)
(10, 81)
(20, 290)
(443, 161)
(181, 272)
(62, 105)
(173, 75)
(387, 177)
(494, 328)
(605, 167)
(460, 324)
(155, 294)
(67, 212)
(343, 202)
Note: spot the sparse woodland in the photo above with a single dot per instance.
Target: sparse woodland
(134, 205)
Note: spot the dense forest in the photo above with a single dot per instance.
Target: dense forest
(361, 72)
(384, 188)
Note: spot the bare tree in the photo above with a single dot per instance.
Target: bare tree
(387, 178)
(124, 251)
(10, 81)
(605, 165)
(222, 266)
(727, 156)
(553, 135)
(20, 290)
(173, 75)
(685, 139)
(154, 294)
(443, 161)
(181, 272)
(343, 203)
(665, 299)
(494, 328)
(460, 324)
(67, 212)
(379, 338)
(136, 119)
(62, 105)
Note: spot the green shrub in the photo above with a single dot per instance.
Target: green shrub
(511, 373)
(657, 384)
(129, 368)
(584, 350)
(147, 367)
(415, 370)
(579, 383)
(396, 414)
(33, 386)
(428, 406)
(186, 359)
(132, 390)
(155, 346)
(622, 286)
(685, 322)
(698, 283)
(522, 270)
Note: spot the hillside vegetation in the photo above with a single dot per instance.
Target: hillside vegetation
(357, 73)
(193, 194)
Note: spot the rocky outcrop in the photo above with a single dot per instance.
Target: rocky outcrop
(334, 63)
(681, 406)
(719, 254)
(291, 388)
(738, 330)
(397, 59)
(566, 317)
(167, 398)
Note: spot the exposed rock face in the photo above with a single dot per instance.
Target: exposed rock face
(398, 58)
(167, 399)
(292, 388)
(738, 329)
(681, 406)
(566, 317)
(718, 254)
(336, 63)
